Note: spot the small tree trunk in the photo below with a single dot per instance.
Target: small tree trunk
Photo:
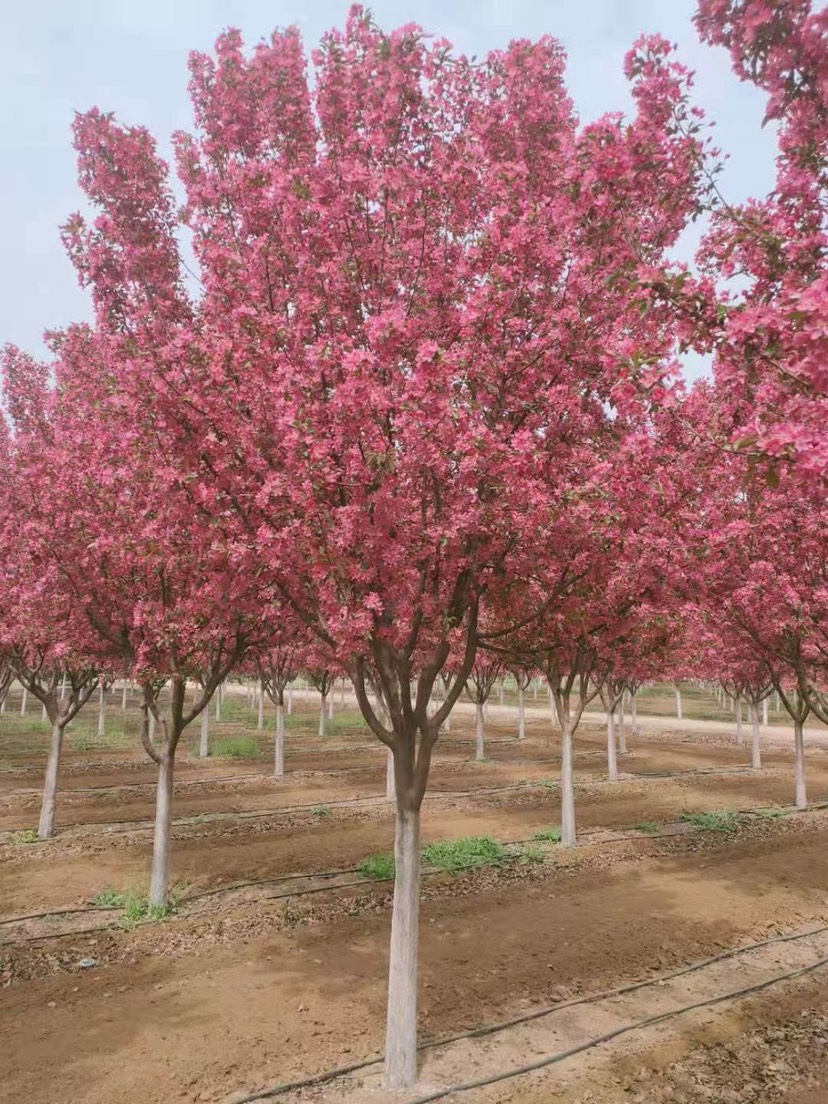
(160, 877)
(323, 712)
(342, 693)
(622, 728)
(739, 735)
(261, 707)
(535, 689)
(204, 742)
(447, 724)
(612, 759)
(401, 1022)
(279, 748)
(218, 702)
(63, 686)
(567, 787)
(634, 712)
(46, 825)
(24, 700)
(678, 705)
(331, 705)
(44, 716)
(124, 695)
(765, 712)
(390, 783)
(479, 749)
(500, 692)
(101, 710)
(776, 699)
(799, 753)
(756, 747)
(521, 714)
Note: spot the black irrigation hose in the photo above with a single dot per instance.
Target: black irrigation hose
(637, 837)
(607, 994)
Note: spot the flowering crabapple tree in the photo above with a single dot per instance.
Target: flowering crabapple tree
(419, 286)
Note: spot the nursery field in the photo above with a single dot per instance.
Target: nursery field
(271, 968)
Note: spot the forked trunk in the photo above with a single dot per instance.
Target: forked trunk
(323, 712)
(401, 1023)
(101, 710)
(279, 748)
(479, 748)
(390, 784)
(756, 747)
(46, 825)
(567, 787)
(521, 714)
(799, 752)
(160, 877)
(204, 741)
(612, 758)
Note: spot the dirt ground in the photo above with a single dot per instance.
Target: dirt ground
(244, 990)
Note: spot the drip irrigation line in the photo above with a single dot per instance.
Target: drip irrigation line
(593, 998)
(584, 842)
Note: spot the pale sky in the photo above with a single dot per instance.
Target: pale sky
(130, 57)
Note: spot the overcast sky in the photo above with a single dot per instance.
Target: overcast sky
(130, 57)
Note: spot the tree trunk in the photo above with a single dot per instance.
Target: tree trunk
(756, 747)
(679, 714)
(160, 878)
(101, 710)
(612, 759)
(567, 787)
(218, 702)
(799, 752)
(739, 735)
(46, 825)
(323, 712)
(261, 719)
(401, 1022)
(204, 742)
(765, 712)
(342, 693)
(479, 749)
(535, 689)
(152, 726)
(500, 693)
(24, 700)
(124, 695)
(622, 729)
(290, 700)
(44, 716)
(63, 686)
(390, 783)
(331, 705)
(634, 713)
(279, 747)
(521, 714)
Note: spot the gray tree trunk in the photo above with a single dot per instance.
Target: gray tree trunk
(44, 716)
(739, 735)
(152, 726)
(124, 695)
(567, 787)
(261, 719)
(799, 753)
(756, 746)
(679, 714)
(612, 758)
(634, 714)
(331, 705)
(218, 702)
(390, 783)
(500, 692)
(160, 877)
(622, 728)
(24, 700)
(290, 700)
(46, 824)
(204, 740)
(63, 686)
(765, 712)
(521, 714)
(323, 712)
(479, 734)
(101, 710)
(401, 1023)
(279, 747)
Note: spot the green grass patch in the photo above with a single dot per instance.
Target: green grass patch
(324, 812)
(531, 853)
(651, 827)
(724, 821)
(463, 854)
(236, 747)
(135, 906)
(770, 814)
(28, 835)
(379, 867)
(548, 835)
